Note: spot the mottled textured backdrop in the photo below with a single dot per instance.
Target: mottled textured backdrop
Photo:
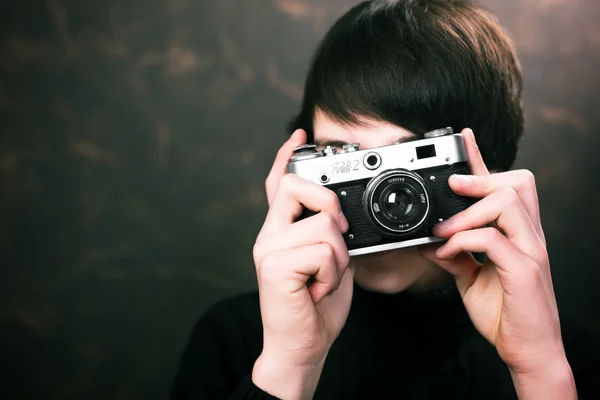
(135, 139)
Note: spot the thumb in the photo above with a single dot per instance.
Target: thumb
(284, 154)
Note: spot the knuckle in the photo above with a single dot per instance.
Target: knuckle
(457, 239)
(344, 255)
(492, 235)
(326, 262)
(271, 269)
(269, 181)
(329, 286)
(283, 152)
(256, 253)
(327, 221)
(330, 199)
(266, 264)
(527, 177)
(345, 260)
(286, 182)
(509, 195)
(258, 250)
(327, 254)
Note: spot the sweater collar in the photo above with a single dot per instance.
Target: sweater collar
(439, 307)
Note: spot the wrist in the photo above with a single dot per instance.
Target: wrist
(552, 380)
(283, 379)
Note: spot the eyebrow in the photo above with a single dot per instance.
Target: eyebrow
(340, 143)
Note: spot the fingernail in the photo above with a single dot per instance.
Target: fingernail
(473, 138)
(471, 135)
(464, 179)
(440, 251)
(344, 223)
(442, 225)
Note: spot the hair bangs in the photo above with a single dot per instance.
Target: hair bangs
(420, 65)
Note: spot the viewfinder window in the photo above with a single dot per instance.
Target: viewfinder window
(426, 151)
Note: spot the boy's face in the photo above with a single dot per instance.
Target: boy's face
(398, 269)
(369, 134)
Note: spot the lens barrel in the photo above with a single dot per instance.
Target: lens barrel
(397, 202)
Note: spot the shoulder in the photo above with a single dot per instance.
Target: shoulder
(221, 350)
(234, 312)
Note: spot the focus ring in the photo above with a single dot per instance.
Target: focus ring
(397, 202)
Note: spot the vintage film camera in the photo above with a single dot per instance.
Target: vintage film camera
(391, 195)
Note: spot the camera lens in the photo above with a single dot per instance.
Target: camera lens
(397, 202)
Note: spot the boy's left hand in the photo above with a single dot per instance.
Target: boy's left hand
(509, 298)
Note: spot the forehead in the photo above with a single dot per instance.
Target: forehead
(368, 132)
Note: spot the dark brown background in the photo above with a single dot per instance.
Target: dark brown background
(136, 136)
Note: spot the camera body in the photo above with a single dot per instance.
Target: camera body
(391, 195)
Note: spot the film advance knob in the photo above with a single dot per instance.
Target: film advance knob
(305, 148)
(439, 132)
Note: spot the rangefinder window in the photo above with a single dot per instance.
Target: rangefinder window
(425, 151)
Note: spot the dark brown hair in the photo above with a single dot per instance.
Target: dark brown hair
(420, 65)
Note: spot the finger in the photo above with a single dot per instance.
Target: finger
(320, 228)
(290, 270)
(327, 277)
(503, 207)
(497, 247)
(522, 181)
(279, 167)
(463, 267)
(295, 193)
(476, 163)
(345, 284)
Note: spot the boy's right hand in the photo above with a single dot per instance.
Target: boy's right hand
(304, 280)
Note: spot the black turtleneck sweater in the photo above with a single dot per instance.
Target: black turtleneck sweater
(401, 346)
